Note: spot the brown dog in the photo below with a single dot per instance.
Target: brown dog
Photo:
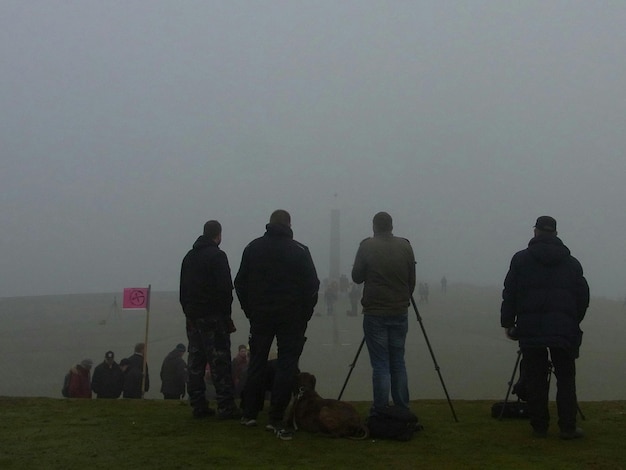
(312, 413)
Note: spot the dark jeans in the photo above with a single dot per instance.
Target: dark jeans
(209, 342)
(537, 386)
(289, 333)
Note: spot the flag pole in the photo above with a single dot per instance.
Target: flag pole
(145, 345)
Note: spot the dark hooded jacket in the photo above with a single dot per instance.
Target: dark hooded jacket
(545, 295)
(277, 276)
(173, 374)
(206, 287)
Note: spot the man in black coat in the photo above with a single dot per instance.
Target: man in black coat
(107, 379)
(277, 287)
(545, 298)
(135, 377)
(206, 296)
(174, 374)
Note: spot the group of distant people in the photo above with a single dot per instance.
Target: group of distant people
(109, 379)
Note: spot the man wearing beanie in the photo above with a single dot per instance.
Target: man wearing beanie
(386, 264)
(108, 379)
(174, 374)
(277, 287)
(545, 298)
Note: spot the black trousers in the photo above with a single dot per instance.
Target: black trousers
(536, 369)
(289, 333)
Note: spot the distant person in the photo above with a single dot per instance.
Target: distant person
(206, 298)
(355, 297)
(134, 376)
(386, 264)
(545, 298)
(174, 374)
(80, 380)
(277, 287)
(331, 295)
(239, 366)
(444, 285)
(108, 379)
(421, 290)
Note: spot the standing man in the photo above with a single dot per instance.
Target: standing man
(386, 264)
(206, 296)
(174, 374)
(545, 298)
(134, 375)
(107, 380)
(277, 287)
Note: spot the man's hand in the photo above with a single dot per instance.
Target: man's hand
(230, 326)
(511, 333)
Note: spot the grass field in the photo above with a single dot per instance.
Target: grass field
(45, 433)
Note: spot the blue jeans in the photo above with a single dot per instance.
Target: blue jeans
(385, 337)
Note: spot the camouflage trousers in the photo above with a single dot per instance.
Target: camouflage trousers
(209, 343)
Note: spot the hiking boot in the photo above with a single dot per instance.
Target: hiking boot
(232, 413)
(575, 434)
(279, 430)
(247, 421)
(201, 413)
(284, 434)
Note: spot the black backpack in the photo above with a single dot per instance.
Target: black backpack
(65, 391)
(393, 422)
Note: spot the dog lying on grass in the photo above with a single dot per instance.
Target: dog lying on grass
(310, 412)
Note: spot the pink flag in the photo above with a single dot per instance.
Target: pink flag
(136, 297)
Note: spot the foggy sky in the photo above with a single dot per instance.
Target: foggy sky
(124, 126)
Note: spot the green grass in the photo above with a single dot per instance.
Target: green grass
(154, 434)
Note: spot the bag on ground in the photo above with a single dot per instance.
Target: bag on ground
(509, 409)
(393, 422)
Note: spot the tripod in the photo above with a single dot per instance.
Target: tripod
(432, 354)
(510, 383)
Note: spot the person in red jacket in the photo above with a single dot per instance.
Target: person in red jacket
(80, 379)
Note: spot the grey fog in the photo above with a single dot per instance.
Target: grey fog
(126, 125)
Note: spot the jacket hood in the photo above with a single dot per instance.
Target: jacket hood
(202, 242)
(279, 230)
(548, 250)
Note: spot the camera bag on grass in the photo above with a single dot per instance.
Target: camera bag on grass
(393, 422)
(510, 409)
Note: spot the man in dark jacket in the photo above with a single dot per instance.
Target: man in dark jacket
(174, 374)
(277, 287)
(545, 298)
(206, 298)
(386, 264)
(135, 378)
(107, 380)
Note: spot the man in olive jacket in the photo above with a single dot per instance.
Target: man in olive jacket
(386, 264)
(545, 298)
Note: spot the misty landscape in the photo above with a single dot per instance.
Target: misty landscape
(126, 126)
(43, 336)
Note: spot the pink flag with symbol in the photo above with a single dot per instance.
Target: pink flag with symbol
(136, 297)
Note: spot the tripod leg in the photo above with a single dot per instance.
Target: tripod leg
(508, 392)
(351, 368)
(432, 354)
